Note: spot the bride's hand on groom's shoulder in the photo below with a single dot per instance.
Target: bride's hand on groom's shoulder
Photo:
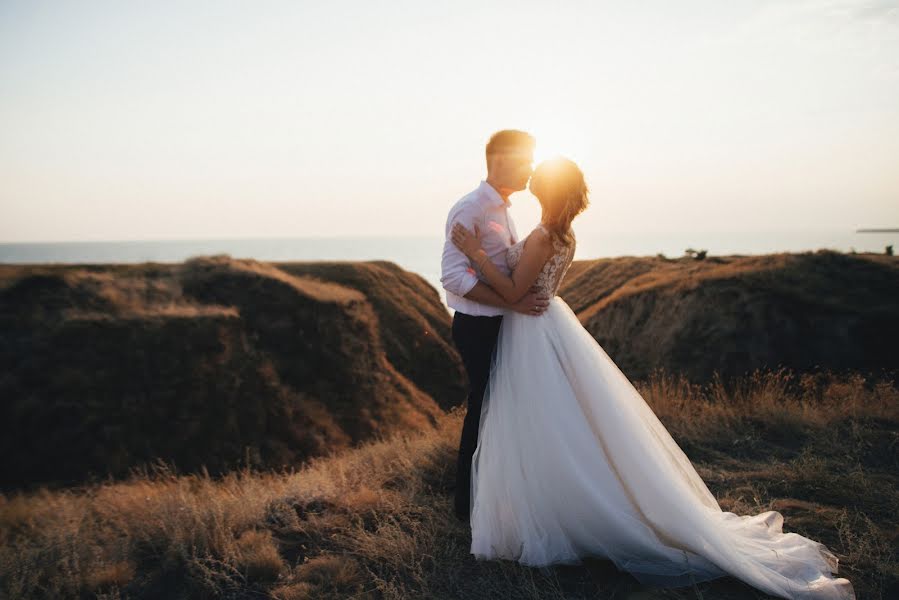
(469, 243)
(534, 303)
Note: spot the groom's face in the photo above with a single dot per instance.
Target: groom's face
(518, 167)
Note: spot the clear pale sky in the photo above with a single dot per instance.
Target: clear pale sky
(163, 120)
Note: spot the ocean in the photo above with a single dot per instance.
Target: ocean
(422, 254)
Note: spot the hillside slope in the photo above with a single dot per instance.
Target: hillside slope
(733, 314)
(214, 362)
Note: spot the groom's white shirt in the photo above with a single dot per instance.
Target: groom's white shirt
(487, 208)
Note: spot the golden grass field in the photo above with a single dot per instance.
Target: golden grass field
(376, 521)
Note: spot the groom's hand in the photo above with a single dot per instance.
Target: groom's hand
(534, 303)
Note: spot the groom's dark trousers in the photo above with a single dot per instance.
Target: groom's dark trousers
(475, 337)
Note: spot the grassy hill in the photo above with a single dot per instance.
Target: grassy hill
(212, 363)
(733, 314)
(376, 521)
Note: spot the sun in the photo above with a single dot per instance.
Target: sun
(556, 137)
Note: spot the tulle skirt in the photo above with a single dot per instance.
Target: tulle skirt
(571, 462)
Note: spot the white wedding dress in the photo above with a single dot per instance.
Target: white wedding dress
(571, 462)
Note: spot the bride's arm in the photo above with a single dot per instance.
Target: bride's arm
(537, 250)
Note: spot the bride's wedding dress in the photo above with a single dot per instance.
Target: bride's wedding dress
(571, 462)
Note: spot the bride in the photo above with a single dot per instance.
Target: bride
(571, 462)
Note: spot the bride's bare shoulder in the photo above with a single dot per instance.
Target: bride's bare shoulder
(539, 242)
(540, 236)
(541, 233)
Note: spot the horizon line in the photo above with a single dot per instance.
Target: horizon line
(425, 237)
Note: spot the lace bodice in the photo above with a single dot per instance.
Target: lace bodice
(550, 277)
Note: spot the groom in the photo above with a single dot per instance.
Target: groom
(479, 310)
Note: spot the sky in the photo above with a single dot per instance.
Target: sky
(176, 120)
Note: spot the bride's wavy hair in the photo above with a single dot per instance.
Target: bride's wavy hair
(559, 185)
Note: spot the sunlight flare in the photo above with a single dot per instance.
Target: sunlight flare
(556, 137)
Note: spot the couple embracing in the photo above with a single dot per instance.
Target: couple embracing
(560, 457)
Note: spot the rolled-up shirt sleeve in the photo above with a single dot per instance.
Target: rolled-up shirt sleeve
(456, 273)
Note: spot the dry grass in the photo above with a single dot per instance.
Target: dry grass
(318, 289)
(375, 522)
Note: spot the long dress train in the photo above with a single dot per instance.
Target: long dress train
(571, 462)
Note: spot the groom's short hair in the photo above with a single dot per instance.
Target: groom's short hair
(510, 140)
